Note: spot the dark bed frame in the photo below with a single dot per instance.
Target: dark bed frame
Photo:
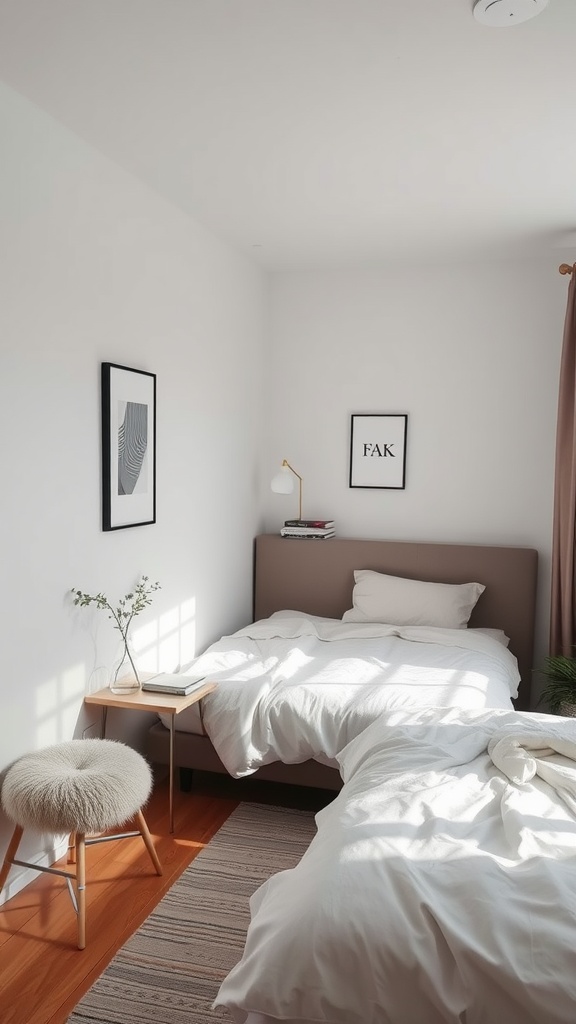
(317, 577)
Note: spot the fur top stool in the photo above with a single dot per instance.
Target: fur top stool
(79, 787)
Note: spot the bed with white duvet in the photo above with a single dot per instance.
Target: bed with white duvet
(293, 686)
(378, 625)
(440, 887)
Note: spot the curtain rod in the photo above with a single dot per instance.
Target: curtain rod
(565, 268)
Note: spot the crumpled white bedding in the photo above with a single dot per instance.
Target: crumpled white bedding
(436, 891)
(522, 755)
(294, 687)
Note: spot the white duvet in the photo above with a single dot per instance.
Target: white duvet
(437, 889)
(294, 687)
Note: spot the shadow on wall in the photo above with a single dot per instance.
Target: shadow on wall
(166, 644)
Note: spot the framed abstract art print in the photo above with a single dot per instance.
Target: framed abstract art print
(128, 447)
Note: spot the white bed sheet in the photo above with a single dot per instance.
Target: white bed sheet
(436, 889)
(294, 687)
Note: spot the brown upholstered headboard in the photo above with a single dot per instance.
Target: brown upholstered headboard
(318, 576)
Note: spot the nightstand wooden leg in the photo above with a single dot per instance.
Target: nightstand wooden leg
(171, 780)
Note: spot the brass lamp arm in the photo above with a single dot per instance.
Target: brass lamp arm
(292, 470)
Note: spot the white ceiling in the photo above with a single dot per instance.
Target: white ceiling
(320, 132)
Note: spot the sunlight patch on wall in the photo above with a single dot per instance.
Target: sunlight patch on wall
(168, 638)
(56, 706)
(187, 631)
(169, 642)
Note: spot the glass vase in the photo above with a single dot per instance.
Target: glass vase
(125, 678)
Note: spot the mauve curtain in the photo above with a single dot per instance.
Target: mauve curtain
(563, 603)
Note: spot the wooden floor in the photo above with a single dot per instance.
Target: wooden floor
(42, 973)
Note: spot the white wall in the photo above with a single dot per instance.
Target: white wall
(470, 353)
(93, 267)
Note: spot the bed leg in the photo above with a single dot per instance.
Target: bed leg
(185, 779)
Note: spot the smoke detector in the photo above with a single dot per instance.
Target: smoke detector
(501, 13)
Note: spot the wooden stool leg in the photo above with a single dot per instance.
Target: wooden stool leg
(81, 887)
(10, 854)
(145, 833)
(71, 848)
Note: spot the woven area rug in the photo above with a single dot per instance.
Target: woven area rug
(170, 970)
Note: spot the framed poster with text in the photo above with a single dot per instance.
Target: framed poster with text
(378, 450)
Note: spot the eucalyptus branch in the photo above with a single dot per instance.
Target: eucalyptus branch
(124, 611)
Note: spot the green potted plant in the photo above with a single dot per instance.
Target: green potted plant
(559, 693)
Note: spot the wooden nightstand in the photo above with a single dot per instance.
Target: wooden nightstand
(145, 701)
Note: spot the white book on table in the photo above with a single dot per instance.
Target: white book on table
(173, 682)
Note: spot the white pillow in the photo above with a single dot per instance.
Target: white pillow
(402, 602)
(496, 634)
(290, 613)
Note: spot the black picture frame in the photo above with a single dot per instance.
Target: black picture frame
(378, 450)
(128, 447)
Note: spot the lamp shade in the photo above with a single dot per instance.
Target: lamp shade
(283, 482)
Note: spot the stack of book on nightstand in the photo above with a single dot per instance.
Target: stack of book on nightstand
(308, 529)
